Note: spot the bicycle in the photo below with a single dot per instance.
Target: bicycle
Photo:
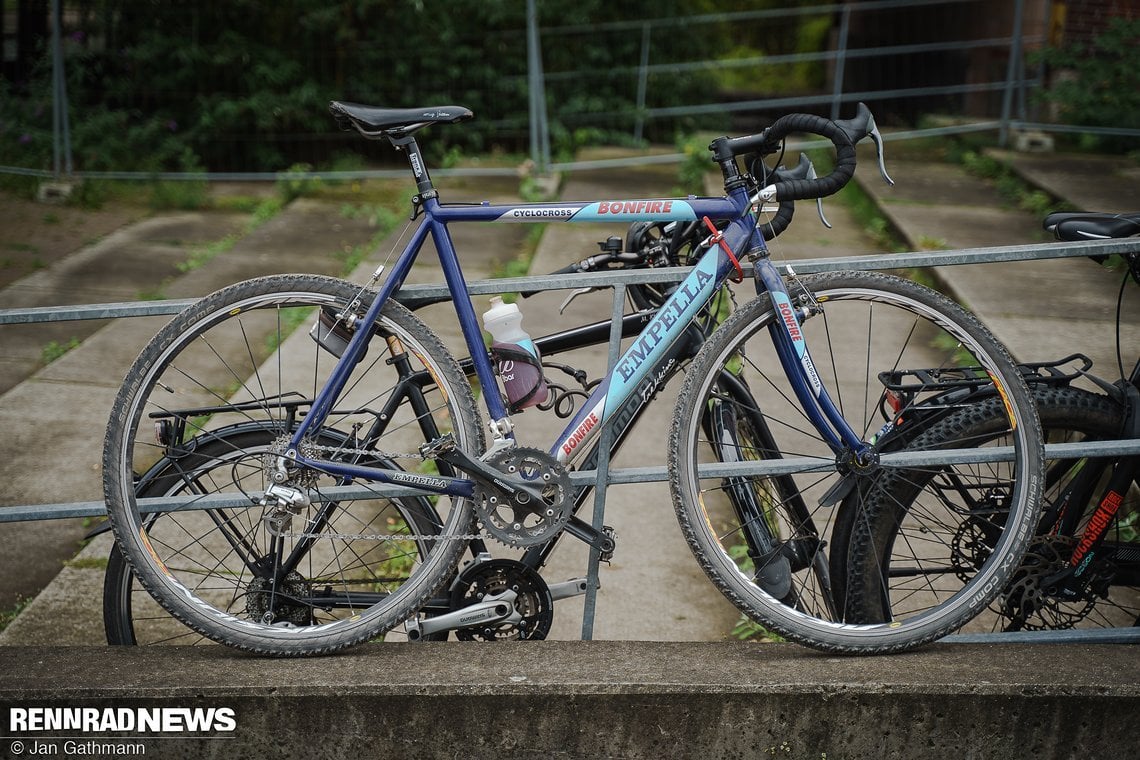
(320, 557)
(1082, 568)
(131, 617)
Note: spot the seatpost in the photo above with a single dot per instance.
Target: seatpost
(419, 168)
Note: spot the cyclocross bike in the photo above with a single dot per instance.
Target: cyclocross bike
(132, 617)
(379, 477)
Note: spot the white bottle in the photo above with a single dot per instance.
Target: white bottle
(516, 355)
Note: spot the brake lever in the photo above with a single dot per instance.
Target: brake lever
(805, 169)
(574, 294)
(863, 125)
(877, 138)
(811, 174)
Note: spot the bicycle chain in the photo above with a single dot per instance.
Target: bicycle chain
(376, 453)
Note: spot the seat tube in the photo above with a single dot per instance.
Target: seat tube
(468, 321)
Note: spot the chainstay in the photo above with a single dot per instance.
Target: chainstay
(390, 536)
(383, 536)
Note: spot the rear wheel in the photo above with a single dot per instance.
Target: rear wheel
(1108, 592)
(331, 569)
(131, 616)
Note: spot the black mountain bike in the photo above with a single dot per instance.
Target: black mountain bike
(1082, 568)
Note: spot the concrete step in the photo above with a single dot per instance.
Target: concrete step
(130, 264)
(64, 407)
(55, 418)
(1042, 310)
(594, 699)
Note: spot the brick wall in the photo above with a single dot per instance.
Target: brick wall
(1081, 21)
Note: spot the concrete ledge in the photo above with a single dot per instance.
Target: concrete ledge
(602, 699)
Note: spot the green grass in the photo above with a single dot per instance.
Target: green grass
(7, 616)
(203, 254)
(55, 350)
(1014, 191)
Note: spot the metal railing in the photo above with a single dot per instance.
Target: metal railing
(618, 282)
(603, 477)
(647, 78)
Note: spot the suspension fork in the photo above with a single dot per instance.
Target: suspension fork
(1124, 473)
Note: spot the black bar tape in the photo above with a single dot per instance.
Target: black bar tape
(779, 222)
(844, 154)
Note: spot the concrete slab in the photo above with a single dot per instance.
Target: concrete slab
(130, 264)
(1089, 183)
(597, 699)
(1042, 310)
(63, 407)
(306, 236)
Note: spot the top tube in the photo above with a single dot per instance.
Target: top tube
(733, 206)
(640, 210)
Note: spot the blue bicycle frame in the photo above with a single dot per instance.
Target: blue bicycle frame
(742, 235)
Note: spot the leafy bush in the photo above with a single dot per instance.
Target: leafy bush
(1100, 83)
(243, 85)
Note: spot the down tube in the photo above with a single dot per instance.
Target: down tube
(644, 354)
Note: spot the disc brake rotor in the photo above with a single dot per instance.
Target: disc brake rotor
(495, 576)
(1027, 604)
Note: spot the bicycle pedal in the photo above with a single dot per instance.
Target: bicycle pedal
(607, 554)
(442, 445)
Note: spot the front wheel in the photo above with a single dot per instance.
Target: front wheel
(764, 540)
(332, 568)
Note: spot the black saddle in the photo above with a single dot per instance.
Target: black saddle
(373, 121)
(1079, 225)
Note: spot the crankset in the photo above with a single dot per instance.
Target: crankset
(534, 606)
(518, 519)
(522, 495)
(496, 600)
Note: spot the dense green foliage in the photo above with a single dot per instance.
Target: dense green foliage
(1099, 84)
(244, 85)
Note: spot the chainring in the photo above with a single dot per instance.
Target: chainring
(495, 576)
(523, 525)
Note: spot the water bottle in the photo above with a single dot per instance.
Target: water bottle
(519, 363)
